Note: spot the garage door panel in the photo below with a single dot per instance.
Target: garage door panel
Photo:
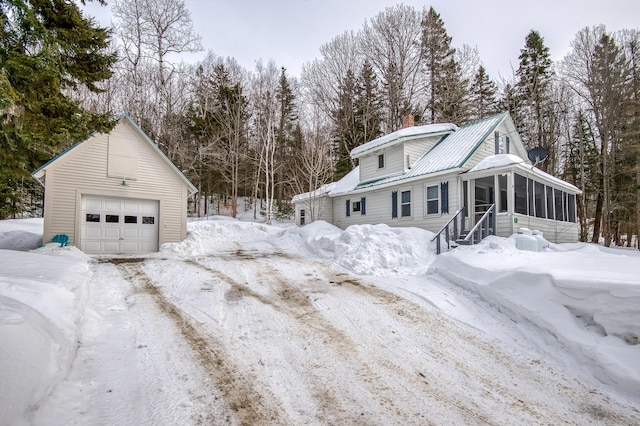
(111, 232)
(111, 246)
(112, 205)
(112, 225)
(92, 232)
(131, 233)
(93, 204)
(131, 247)
(132, 205)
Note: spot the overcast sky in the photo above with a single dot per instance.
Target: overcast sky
(291, 31)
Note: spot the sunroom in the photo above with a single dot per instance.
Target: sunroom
(524, 197)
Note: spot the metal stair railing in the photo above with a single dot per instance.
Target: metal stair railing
(445, 229)
(482, 229)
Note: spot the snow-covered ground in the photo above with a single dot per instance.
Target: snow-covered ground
(245, 323)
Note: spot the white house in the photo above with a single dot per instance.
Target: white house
(115, 193)
(421, 176)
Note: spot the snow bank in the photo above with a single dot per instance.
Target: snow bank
(363, 249)
(21, 234)
(587, 300)
(370, 249)
(42, 298)
(222, 234)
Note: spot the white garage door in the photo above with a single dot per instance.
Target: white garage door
(119, 225)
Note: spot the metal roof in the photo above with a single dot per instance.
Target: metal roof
(455, 149)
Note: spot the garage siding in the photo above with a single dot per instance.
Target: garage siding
(83, 171)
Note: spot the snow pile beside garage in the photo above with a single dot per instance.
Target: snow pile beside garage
(584, 296)
(42, 301)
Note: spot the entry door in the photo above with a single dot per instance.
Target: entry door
(119, 225)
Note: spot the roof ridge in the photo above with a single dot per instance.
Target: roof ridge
(482, 120)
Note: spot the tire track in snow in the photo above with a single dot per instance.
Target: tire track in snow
(411, 314)
(248, 406)
(311, 328)
(291, 300)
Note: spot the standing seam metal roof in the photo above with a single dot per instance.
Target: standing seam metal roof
(451, 152)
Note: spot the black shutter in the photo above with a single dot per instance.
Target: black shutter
(394, 205)
(363, 206)
(348, 208)
(506, 151)
(496, 136)
(444, 197)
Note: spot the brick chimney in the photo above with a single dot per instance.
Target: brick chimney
(407, 121)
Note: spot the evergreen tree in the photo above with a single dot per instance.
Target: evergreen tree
(358, 118)
(347, 129)
(47, 49)
(533, 87)
(484, 100)
(285, 138)
(368, 107)
(448, 93)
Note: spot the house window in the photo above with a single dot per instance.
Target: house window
(550, 214)
(148, 220)
(131, 219)
(363, 206)
(381, 161)
(558, 195)
(302, 217)
(501, 143)
(432, 199)
(92, 217)
(572, 208)
(502, 190)
(356, 206)
(405, 204)
(539, 200)
(520, 185)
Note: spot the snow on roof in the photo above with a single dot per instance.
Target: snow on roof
(506, 160)
(499, 160)
(347, 183)
(402, 134)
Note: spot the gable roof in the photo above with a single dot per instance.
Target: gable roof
(401, 136)
(40, 171)
(451, 152)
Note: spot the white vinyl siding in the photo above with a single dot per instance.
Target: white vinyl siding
(317, 208)
(416, 148)
(379, 206)
(83, 171)
(393, 163)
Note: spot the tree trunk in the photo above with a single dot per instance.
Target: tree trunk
(595, 238)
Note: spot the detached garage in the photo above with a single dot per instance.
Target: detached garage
(115, 193)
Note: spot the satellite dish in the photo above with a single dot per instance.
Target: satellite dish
(537, 154)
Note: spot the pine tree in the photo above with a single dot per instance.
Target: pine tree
(484, 100)
(346, 126)
(369, 104)
(533, 86)
(448, 93)
(47, 49)
(285, 140)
